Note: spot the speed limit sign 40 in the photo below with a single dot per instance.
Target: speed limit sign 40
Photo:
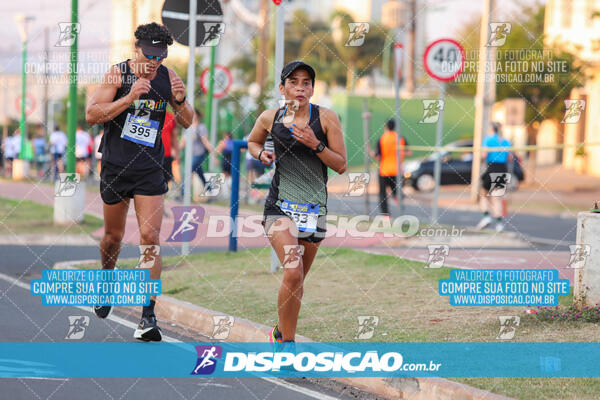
(444, 59)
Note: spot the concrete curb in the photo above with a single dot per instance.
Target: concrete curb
(192, 316)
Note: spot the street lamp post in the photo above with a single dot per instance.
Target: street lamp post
(23, 23)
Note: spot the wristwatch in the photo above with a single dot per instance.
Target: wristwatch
(320, 148)
(179, 102)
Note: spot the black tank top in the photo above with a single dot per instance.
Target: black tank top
(300, 175)
(151, 106)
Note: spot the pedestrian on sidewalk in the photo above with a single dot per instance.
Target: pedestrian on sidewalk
(83, 141)
(386, 152)
(201, 147)
(494, 180)
(40, 148)
(10, 153)
(58, 145)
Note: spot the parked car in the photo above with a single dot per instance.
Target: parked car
(456, 169)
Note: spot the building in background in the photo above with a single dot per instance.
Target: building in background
(575, 26)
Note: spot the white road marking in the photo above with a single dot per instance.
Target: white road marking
(290, 386)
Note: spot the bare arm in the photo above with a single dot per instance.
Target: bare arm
(101, 107)
(206, 144)
(184, 113)
(258, 137)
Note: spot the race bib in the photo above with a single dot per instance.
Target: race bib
(304, 215)
(140, 130)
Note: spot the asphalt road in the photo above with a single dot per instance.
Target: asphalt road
(26, 320)
(553, 229)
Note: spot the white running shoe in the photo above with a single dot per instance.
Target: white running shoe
(485, 222)
(499, 226)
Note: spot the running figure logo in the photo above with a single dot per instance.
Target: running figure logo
(207, 359)
(574, 109)
(358, 183)
(148, 255)
(431, 111)
(212, 33)
(358, 32)
(77, 326)
(366, 326)
(186, 224)
(214, 183)
(498, 33)
(222, 324)
(500, 181)
(68, 33)
(508, 326)
(292, 255)
(579, 255)
(437, 255)
(66, 185)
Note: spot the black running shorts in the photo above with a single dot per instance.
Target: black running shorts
(273, 213)
(118, 183)
(486, 179)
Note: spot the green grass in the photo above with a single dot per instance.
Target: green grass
(344, 284)
(27, 217)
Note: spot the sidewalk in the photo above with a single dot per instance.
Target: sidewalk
(553, 190)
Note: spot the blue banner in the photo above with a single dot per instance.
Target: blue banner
(306, 359)
(504, 287)
(89, 287)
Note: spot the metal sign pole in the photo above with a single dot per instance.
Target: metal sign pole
(438, 161)
(187, 180)
(398, 67)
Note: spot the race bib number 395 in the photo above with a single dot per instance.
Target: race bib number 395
(140, 130)
(304, 215)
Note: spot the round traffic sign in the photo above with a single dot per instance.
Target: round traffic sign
(30, 104)
(444, 59)
(223, 81)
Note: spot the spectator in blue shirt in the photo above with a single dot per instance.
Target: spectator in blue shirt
(495, 179)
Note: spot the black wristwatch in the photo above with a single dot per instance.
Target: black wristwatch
(320, 148)
(179, 102)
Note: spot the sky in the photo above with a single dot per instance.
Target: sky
(444, 17)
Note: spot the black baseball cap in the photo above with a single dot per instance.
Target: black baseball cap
(153, 47)
(294, 65)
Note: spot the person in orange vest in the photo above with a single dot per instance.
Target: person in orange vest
(386, 153)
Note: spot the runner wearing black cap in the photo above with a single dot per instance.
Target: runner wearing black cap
(131, 102)
(307, 140)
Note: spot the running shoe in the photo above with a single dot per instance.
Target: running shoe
(275, 335)
(499, 226)
(148, 330)
(485, 222)
(102, 311)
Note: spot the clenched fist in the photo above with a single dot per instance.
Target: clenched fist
(177, 88)
(140, 87)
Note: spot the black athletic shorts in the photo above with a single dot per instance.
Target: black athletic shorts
(168, 169)
(486, 179)
(118, 183)
(273, 213)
